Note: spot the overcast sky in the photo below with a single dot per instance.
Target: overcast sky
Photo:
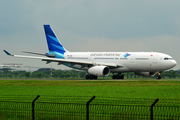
(89, 25)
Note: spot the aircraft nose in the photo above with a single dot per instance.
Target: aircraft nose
(174, 62)
(170, 64)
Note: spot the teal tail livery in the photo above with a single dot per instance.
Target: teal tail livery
(99, 64)
(54, 45)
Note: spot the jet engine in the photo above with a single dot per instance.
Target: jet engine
(146, 74)
(99, 70)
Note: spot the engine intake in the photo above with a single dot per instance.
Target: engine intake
(99, 71)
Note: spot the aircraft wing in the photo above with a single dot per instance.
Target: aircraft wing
(62, 61)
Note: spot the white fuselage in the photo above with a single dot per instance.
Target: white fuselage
(127, 61)
(102, 63)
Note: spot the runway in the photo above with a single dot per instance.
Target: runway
(47, 79)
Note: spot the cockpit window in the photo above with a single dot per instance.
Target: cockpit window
(168, 59)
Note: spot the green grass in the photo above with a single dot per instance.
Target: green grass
(123, 89)
(120, 89)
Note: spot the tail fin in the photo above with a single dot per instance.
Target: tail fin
(54, 44)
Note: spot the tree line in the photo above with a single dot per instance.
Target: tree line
(171, 74)
(43, 74)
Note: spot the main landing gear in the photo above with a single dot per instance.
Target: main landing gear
(159, 75)
(118, 76)
(91, 77)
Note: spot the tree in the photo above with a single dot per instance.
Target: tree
(39, 75)
(82, 74)
(15, 73)
(10, 75)
(27, 74)
(55, 75)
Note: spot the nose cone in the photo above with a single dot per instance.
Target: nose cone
(174, 63)
(171, 63)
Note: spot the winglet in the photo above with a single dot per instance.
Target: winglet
(7, 53)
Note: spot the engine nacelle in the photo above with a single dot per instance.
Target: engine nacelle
(99, 71)
(146, 74)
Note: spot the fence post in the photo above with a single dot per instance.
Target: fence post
(152, 107)
(87, 106)
(33, 104)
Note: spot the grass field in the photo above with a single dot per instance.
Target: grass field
(75, 107)
(123, 89)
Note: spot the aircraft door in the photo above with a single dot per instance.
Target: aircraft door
(154, 59)
(154, 64)
(91, 58)
(132, 59)
(150, 61)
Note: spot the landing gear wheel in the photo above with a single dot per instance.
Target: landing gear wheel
(87, 77)
(122, 77)
(117, 77)
(91, 77)
(95, 77)
(113, 77)
(158, 77)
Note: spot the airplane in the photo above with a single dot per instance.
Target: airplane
(98, 64)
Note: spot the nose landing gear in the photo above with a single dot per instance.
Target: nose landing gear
(159, 75)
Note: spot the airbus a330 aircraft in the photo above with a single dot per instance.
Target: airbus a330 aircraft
(103, 63)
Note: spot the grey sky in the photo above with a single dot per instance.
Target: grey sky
(89, 25)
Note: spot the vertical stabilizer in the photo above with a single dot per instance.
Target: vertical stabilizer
(54, 44)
